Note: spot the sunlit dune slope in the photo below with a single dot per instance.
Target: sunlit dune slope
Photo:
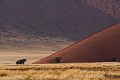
(100, 47)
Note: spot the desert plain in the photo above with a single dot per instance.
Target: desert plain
(63, 71)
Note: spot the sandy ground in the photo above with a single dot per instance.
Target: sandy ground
(12, 57)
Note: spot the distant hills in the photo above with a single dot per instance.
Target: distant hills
(53, 24)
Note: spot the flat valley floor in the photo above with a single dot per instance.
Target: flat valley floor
(68, 71)
(12, 57)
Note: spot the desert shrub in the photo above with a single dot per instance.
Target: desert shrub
(58, 59)
(3, 74)
(113, 75)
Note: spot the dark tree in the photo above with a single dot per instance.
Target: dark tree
(21, 61)
(114, 59)
(58, 59)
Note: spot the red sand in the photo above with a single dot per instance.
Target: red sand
(100, 47)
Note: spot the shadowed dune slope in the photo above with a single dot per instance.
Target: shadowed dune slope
(55, 18)
(38, 24)
(102, 46)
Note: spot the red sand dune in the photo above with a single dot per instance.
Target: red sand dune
(100, 47)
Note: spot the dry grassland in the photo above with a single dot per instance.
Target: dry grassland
(76, 71)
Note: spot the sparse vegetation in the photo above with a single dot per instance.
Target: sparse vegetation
(114, 59)
(58, 59)
(80, 71)
(3, 74)
(21, 61)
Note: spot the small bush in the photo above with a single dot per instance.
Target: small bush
(3, 74)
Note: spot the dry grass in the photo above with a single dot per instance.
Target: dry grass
(76, 71)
